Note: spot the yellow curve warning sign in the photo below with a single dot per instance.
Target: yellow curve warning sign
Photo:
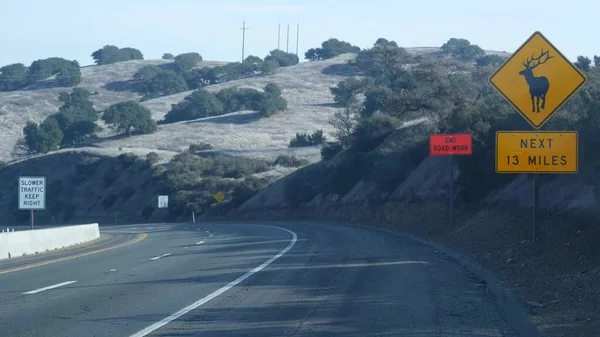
(536, 152)
(537, 80)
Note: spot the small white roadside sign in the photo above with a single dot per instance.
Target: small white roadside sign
(32, 193)
(163, 201)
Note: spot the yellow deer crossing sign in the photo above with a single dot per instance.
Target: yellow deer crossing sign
(537, 80)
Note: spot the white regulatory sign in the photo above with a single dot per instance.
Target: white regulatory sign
(163, 201)
(32, 193)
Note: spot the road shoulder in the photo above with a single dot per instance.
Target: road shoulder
(107, 241)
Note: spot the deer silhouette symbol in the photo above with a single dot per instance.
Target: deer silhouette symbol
(538, 86)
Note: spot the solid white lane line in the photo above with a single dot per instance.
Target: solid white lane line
(160, 257)
(210, 235)
(199, 243)
(48, 288)
(169, 319)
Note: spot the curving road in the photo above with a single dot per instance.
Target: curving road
(292, 279)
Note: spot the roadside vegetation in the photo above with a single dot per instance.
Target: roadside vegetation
(192, 179)
(453, 93)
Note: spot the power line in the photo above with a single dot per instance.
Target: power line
(287, 48)
(243, 41)
(297, 37)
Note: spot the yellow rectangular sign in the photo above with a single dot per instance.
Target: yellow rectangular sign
(536, 152)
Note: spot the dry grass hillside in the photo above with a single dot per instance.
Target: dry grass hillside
(36, 103)
(305, 87)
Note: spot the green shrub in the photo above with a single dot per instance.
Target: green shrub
(304, 139)
(88, 166)
(371, 131)
(246, 190)
(158, 171)
(244, 167)
(282, 58)
(153, 158)
(289, 161)
(200, 147)
(127, 159)
(186, 61)
(112, 54)
(236, 99)
(271, 101)
(198, 104)
(330, 150)
(346, 91)
(147, 212)
(330, 48)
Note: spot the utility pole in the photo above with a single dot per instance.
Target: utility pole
(297, 37)
(287, 48)
(278, 34)
(243, 41)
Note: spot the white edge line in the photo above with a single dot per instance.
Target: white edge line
(48, 288)
(199, 243)
(159, 257)
(218, 292)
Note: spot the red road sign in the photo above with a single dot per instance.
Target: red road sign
(459, 144)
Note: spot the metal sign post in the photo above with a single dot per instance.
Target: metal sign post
(451, 183)
(450, 145)
(219, 197)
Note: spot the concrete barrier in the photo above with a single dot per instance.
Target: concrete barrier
(21, 243)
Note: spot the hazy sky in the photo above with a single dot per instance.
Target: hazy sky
(73, 29)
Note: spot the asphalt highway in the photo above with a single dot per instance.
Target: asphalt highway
(285, 279)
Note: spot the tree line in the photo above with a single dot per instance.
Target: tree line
(75, 122)
(18, 76)
(202, 103)
(183, 75)
(67, 73)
